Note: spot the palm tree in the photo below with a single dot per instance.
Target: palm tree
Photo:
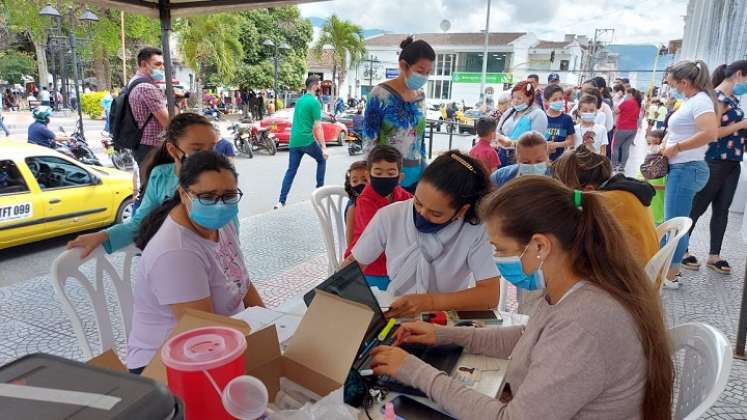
(211, 40)
(347, 45)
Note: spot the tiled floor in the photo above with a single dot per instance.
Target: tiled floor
(285, 257)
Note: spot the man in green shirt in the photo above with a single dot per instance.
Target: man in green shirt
(307, 137)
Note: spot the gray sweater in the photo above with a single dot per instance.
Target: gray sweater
(578, 359)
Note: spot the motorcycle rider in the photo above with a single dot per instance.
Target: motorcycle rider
(38, 132)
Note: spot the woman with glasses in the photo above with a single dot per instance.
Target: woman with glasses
(191, 256)
(186, 134)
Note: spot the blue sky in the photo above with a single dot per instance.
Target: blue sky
(639, 21)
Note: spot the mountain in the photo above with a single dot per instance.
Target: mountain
(317, 22)
(636, 62)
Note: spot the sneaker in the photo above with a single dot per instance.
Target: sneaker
(279, 205)
(668, 284)
(691, 263)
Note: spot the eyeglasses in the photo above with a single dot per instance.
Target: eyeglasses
(209, 199)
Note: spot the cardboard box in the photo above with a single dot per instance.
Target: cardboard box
(318, 356)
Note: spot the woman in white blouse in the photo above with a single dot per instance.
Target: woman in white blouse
(435, 243)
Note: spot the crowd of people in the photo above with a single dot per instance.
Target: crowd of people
(540, 201)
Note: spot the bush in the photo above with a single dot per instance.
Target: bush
(91, 104)
(279, 104)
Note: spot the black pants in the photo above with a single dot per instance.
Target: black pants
(719, 191)
(140, 153)
(137, 371)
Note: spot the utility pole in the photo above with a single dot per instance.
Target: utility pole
(483, 75)
(595, 46)
(124, 51)
(660, 50)
(371, 60)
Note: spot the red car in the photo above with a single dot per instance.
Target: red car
(281, 121)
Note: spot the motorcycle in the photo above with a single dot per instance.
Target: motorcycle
(122, 159)
(212, 113)
(77, 148)
(248, 140)
(355, 143)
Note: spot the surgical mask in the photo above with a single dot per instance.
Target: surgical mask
(213, 216)
(384, 185)
(740, 89)
(424, 225)
(557, 105)
(157, 74)
(512, 270)
(676, 94)
(588, 116)
(520, 107)
(358, 189)
(533, 169)
(416, 80)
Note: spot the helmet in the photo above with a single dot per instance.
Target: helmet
(42, 113)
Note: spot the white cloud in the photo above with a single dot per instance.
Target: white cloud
(634, 21)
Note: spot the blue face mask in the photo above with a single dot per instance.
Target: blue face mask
(424, 225)
(157, 75)
(416, 80)
(512, 270)
(557, 105)
(677, 95)
(213, 216)
(520, 107)
(533, 169)
(740, 89)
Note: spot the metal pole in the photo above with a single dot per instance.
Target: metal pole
(370, 73)
(76, 75)
(483, 75)
(165, 15)
(124, 51)
(653, 74)
(63, 68)
(275, 93)
(742, 326)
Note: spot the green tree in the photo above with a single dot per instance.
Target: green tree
(211, 41)
(14, 64)
(346, 43)
(23, 18)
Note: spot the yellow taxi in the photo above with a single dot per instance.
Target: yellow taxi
(44, 194)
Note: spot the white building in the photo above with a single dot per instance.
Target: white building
(714, 31)
(458, 67)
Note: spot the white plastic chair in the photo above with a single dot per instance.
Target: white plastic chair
(706, 367)
(328, 204)
(67, 266)
(673, 230)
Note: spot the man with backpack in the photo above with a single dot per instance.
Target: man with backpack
(139, 114)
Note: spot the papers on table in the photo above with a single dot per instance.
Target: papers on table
(259, 318)
(384, 298)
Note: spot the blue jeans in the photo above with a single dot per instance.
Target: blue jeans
(107, 127)
(683, 182)
(294, 161)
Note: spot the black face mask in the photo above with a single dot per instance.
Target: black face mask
(358, 189)
(384, 186)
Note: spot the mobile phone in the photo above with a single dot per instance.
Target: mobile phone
(407, 408)
(486, 316)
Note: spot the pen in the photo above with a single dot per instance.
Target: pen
(367, 348)
(385, 332)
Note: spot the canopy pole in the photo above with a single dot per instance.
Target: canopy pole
(164, 11)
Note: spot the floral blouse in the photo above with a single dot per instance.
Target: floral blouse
(729, 147)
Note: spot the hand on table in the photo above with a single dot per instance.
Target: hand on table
(410, 305)
(416, 333)
(386, 360)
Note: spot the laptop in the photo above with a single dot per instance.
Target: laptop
(350, 283)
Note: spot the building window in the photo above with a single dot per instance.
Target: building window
(439, 89)
(445, 64)
(564, 64)
(472, 62)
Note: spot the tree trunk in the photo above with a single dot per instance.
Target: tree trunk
(99, 68)
(334, 79)
(41, 64)
(341, 77)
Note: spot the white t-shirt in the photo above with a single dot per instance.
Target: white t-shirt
(44, 95)
(600, 135)
(609, 117)
(682, 126)
(464, 252)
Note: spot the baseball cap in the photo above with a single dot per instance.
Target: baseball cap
(553, 77)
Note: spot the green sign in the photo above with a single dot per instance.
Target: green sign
(491, 78)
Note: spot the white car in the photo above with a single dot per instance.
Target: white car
(432, 114)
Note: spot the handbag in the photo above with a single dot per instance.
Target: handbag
(654, 166)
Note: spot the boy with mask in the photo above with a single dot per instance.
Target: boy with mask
(593, 135)
(483, 149)
(384, 174)
(531, 158)
(560, 132)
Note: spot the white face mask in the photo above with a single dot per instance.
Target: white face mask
(588, 116)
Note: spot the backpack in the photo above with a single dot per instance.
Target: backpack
(125, 130)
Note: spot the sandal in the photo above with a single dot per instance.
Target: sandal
(720, 266)
(691, 263)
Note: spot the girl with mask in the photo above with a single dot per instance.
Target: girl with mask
(723, 158)
(523, 116)
(435, 243)
(690, 128)
(186, 134)
(597, 347)
(191, 256)
(395, 113)
(356, 179)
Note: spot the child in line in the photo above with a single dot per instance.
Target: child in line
(561, 132)
(356, 179)
(484, 150)
(592, 134)
(654, 138)
(384, 174)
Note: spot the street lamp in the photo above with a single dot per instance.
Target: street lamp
(276, 53)
(86, 17)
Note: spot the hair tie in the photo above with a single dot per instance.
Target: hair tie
(463, 162)
(577, 199)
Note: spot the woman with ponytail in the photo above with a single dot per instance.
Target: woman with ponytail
(690, 129)
(723, 158)
(191, 256)
(187, 133)
(597, 346)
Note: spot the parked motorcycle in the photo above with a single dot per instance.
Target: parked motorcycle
(77, 148)
(355, 143)
(122, 158)
(254, 138)
(212, 113)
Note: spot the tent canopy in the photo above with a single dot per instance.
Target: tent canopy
(181, 8)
